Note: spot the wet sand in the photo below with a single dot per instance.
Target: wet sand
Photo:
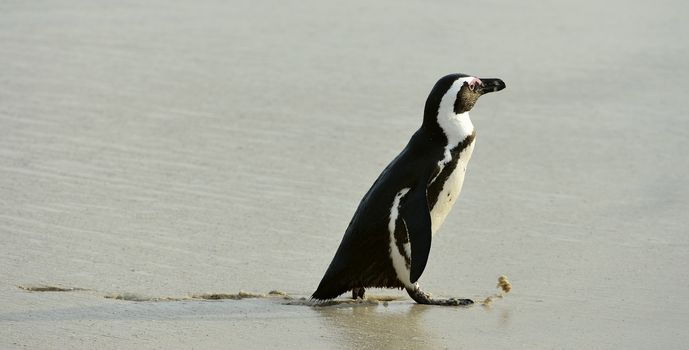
(165, 151)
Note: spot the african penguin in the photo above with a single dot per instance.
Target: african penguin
(388, 240)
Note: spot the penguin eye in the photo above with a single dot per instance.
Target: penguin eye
(474, 83)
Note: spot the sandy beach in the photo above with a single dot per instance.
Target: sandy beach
(153, 153)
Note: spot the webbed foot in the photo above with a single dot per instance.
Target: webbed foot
(422, 297)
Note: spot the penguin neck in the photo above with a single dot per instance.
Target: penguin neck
(456, 127)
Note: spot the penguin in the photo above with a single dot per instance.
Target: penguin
(388, 240)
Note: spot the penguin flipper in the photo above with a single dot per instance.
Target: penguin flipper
(417, 216)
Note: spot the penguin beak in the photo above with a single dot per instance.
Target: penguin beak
(490, 85)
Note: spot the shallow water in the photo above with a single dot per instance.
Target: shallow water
(170, 150)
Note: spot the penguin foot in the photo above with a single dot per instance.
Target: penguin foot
(358, 293)
(422, 297)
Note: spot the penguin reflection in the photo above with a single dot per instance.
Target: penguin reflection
(397, 326)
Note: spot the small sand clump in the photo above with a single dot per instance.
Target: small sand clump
(220, 296)
(504, 284)
(46, 288)
(140, 297)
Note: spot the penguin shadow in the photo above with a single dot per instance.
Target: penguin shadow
(366, 325)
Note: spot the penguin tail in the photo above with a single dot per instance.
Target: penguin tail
(330, 288)
(327, 292)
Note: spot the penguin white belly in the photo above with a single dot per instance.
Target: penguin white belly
(451, 189)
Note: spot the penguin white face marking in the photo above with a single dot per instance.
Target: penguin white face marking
(456, 127)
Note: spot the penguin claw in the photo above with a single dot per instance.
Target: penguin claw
(459, 302)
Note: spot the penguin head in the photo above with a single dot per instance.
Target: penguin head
(456, 94)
